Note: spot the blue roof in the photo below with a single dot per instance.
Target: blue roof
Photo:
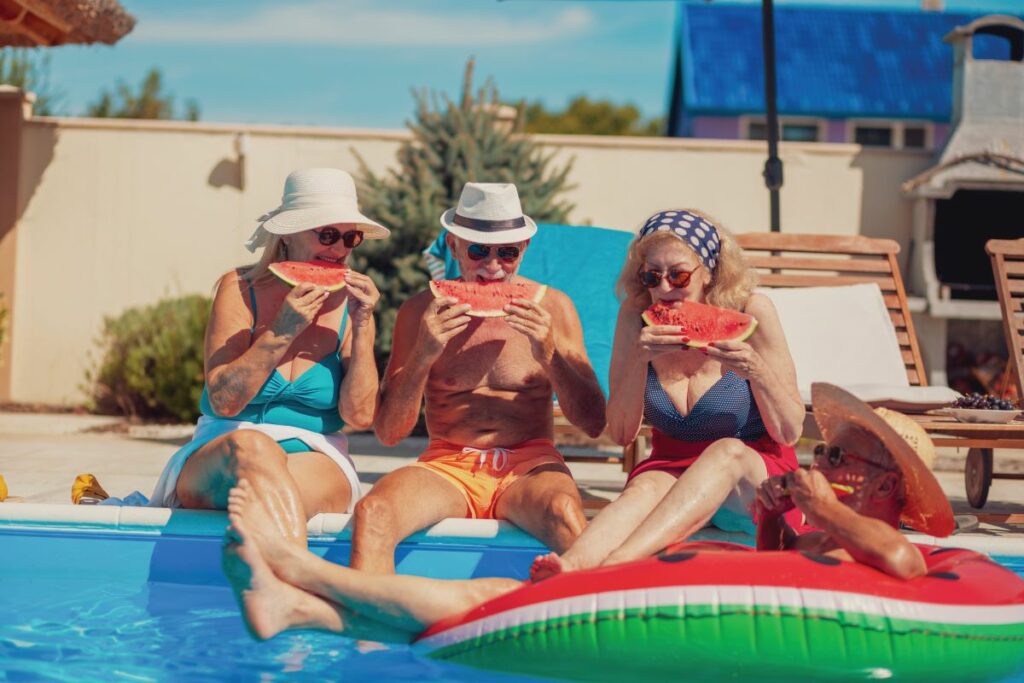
(831, 62)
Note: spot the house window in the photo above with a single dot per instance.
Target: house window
(873, 136)
(792, 131)
(891, 134)
(914, 137)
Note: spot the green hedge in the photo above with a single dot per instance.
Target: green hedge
(152, 360)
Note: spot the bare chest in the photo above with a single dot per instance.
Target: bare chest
(489, 354)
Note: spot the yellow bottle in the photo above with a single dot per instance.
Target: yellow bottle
(3, 488)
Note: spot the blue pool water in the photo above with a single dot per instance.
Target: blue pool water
(120, 607)
(91, 607)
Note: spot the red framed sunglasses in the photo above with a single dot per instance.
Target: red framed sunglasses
(676, 278)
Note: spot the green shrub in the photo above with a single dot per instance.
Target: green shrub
(453, 141)
(152, 360)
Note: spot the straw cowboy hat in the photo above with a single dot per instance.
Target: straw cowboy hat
(314, 197)
(489, 213)
(926, 509)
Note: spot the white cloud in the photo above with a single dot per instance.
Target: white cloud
(321, 23)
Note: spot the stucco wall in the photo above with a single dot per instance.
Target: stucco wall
(117, 214)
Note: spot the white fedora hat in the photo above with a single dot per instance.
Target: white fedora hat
(314, 197)
(489, 213)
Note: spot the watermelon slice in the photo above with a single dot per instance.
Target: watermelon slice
(328, 275)
(487, 300)
(702, 323)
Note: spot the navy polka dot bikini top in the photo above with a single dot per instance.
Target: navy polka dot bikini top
(727, 409)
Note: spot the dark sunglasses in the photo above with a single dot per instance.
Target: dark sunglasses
(677, 278)
(835, 456)
(329, 236)
(479, 252)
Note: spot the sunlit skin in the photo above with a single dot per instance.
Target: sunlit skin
(295, 328)
(656, 508)
(486, 382)
(861, 525)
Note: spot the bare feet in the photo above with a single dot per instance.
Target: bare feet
(268, 604)
(546, 566)
(246, 510)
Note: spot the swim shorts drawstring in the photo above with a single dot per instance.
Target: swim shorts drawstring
(499, 457)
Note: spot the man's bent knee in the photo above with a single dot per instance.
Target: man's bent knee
(375, 517)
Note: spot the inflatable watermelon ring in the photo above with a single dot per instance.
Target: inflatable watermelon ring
(702, 323)
(716, 611)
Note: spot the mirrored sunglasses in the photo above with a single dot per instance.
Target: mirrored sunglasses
(676, 278)
(329, 236)
(478, 252)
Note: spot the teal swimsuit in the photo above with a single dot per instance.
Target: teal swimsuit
(310, 401)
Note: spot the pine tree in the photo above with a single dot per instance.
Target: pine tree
(453, 143)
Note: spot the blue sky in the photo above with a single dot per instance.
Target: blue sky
(355, 62)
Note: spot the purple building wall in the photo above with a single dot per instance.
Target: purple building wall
(716, 127)
(728, 128)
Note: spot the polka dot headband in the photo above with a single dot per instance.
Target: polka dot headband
(699, 233)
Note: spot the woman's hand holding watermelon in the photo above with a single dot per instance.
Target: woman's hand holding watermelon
(362, 297)
(443, 319)
(655, 340)
(299, 309)
(740, 357)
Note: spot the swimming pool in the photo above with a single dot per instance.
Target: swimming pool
(107, 594)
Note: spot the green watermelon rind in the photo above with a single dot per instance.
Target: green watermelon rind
(436, 286)
(280, 269)
(697, 344)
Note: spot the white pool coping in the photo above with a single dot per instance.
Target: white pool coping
(159, 521)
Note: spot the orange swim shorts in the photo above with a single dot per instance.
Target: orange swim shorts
(484, 474)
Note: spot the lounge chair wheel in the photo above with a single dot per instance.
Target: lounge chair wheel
(978, 476)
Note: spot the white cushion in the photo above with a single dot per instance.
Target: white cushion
(844, 336)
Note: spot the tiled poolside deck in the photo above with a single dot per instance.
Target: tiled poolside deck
(40, 455)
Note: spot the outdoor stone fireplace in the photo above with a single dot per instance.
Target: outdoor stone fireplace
(974, 192)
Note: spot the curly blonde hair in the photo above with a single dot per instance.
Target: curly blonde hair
(732, 280)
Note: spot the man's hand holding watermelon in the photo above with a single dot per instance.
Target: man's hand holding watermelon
(532, 320)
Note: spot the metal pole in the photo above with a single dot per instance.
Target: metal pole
(773, 166)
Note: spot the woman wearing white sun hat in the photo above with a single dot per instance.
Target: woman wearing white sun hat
(286, 367)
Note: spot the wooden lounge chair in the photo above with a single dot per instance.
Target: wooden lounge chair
(1008, 268)
(796, 261)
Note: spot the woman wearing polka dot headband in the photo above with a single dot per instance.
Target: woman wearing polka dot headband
(724, 418)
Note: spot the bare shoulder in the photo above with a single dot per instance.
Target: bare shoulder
(417, 303)
(761, 307)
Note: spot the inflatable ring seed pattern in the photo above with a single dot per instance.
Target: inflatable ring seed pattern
(739, 614)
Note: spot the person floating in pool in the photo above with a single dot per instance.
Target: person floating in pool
(871, 474)
(724, 418)
(286, 367)
(488, 385)
(880, 470)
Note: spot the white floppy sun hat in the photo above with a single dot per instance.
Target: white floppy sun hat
(314, 197)
(489, 213)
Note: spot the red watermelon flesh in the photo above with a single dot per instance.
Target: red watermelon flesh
(702, 323)
(487, 300)
(328, 275)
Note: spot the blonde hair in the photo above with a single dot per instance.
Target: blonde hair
(732, 280)
(274, 251)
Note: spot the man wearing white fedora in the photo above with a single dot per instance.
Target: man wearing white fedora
(488, 385)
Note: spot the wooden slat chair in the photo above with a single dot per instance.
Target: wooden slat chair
(793, 260)
(784, 260)
(1008, 268)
